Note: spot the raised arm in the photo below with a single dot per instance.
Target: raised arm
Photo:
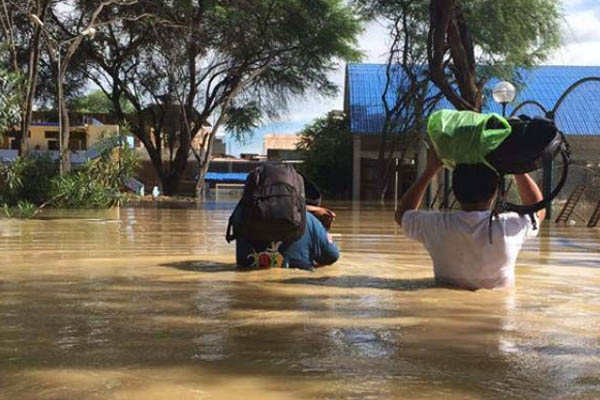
(325, 215)
(413, 197)
(530, 192)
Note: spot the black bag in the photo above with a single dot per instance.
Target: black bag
(531, 144)
(272, 208)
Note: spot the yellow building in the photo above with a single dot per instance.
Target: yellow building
(44, 136)
(85, 131)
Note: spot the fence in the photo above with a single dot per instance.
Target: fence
(580, 196)
(579, 200)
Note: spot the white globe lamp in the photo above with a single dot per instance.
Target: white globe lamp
(503, 93)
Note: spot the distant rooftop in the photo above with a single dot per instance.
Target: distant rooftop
(276, 141)
(579, 114)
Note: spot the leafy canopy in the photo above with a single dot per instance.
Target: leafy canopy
(470, 41)
(229, 63)
(512, 33)
(97, 102)
(326, 146)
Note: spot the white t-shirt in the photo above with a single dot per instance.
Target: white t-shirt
(459, 245)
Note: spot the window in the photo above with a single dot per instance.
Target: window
(53, 145)
(51, 134)
(78, 141)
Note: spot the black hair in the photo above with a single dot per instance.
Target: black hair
(474, 183)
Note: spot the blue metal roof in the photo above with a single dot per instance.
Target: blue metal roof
(578, 115)
(233, 177)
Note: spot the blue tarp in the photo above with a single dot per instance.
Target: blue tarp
(231, 177)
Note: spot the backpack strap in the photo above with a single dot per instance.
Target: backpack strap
(231, 233)
(533, 221)
(312, 192)
(533, 208)
(498, 205)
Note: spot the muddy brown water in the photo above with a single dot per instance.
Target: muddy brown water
(149, 306)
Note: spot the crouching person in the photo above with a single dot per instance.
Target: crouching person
(273, 226)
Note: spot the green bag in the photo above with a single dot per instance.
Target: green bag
(466, 137)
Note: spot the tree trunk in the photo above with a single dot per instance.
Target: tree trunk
(177, 168)
(199, 157)
(170, 184)
(65, 159)
(34, 60)
(211, 135)
(203, 167)
(178, 165)
(448, 33)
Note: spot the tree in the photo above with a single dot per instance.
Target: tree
(472, 40)
(326, 146)
(98, 102)
(76, 30)
(23, 57)
(219, 62)
(10, 101)
(408, 96)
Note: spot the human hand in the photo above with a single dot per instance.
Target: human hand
(323, 214)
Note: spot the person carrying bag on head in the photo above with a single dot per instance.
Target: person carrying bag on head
(477, 246)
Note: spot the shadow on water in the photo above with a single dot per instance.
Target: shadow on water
(202, 266)
(368, 282)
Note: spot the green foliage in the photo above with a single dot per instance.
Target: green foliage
(513, 33)
(327, 150)
(505, 33)
(242, 60)
(241, 121)
(27, 179)
(76, 190)
(98, 102)
(11, 89)
(98, 182)
(496, 39)
(33, 181)
(24, 209)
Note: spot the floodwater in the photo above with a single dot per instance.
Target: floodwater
(149, 306)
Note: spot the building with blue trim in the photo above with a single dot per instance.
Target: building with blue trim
(578, 115)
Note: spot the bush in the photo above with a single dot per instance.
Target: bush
(24, 209)
(96, 184)
(76, 190)
(27, 179)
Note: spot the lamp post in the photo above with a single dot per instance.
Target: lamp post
(88, 32)
(504, 93)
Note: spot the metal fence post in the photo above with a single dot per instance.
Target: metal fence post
(547, 185)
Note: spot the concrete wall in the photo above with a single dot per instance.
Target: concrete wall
(365, 171)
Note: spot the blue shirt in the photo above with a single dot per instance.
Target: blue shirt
(313, 248)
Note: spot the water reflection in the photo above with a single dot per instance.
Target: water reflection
(152, 307)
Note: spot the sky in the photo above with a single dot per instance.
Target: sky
(581, 46)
